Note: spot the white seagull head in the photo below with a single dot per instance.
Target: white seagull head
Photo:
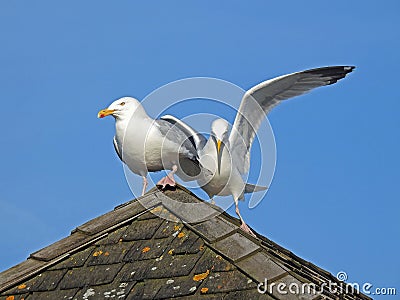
(220, 136)
(220, 130)
(123, 108)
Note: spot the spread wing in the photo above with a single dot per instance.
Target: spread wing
(259, 101)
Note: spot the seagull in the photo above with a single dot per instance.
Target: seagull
(148, 145)
(227, 152)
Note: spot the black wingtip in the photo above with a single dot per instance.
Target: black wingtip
(333, 73)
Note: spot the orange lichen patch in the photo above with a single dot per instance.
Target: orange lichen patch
(219, 287)
(156, 209)
(201, 276)
(171, 251)
(204, 290)
(107, 253)
(22, 286)
(176, 227)
(145, 249)
(10, 298)
(201, 248)
(181, 235)
(98, 253)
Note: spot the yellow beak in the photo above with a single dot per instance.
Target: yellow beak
(105, 112)
(218, 146)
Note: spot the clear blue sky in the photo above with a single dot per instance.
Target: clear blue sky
(334, 199)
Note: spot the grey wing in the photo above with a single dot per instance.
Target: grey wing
(197, 139)
(259, 101)
(188, 163)
(116, 148)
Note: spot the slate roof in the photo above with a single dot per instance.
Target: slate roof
(164, 245)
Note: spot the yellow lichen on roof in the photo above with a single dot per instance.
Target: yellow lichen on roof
(98, 253)
(156, 209)
(201, 276)
(145, 249)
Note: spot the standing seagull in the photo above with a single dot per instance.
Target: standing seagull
(227, 155)
(148, 145)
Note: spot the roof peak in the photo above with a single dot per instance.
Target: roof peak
(257, 258)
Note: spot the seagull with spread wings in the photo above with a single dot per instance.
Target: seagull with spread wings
(227, 153)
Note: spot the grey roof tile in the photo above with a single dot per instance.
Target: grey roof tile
(52, 295)
(261, 267)
(185, 241)
(214, 229)
(141, 230)
(236, 246)
(212, 261)
(114, 290)
(145, 290)
(177, 286)
(113, 237)
(148, 215)
(109, 254)
(186, 208)
(173, 266)
(148, 249)
(134, 271)
(163, 267)
(120, 214)
(45, 281)
(168, 228)
(190, 244)
(20, 272)
(95, 275)
(75, 260)
(234, 280)
(60, 247)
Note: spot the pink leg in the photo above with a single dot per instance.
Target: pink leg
(169, 179)
(244, 226)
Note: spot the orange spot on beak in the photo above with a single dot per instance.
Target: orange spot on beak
(105, 112)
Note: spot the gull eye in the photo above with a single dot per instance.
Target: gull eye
(122, 103)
